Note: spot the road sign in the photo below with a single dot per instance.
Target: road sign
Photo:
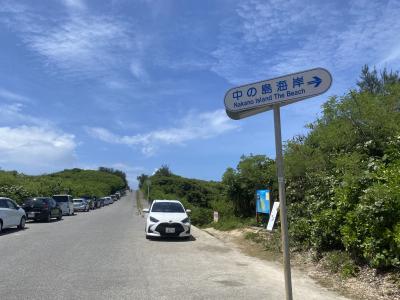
(216, 216)
(272, 217)
(262, 203)
(250, 99)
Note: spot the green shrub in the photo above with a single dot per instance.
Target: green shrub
(340, 262)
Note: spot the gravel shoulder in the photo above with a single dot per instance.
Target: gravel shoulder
(368, 284)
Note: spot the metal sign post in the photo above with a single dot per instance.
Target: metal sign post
(254, 98)
(282, 200)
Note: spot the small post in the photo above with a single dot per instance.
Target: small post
(282, 200)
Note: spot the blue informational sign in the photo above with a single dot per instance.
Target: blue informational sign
(263, 202)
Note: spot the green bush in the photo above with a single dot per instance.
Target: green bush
(76, 182)
(371, 229)
(340, 262)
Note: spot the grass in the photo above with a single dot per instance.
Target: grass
(230, 223)
(270, 240)
(340, 262)
(139, 202)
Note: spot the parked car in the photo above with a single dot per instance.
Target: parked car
(81, 204)
(114, 198)
(66, 204)
(89, 200)
(42, 208)
(107, 200)
(167, 218)
(11, 214)
(101, 200)
(97, 202)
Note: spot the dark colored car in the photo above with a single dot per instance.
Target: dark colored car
(97, 202)
(42, 208)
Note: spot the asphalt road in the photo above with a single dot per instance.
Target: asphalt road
(103, 254)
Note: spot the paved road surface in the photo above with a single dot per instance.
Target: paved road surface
(103, 255)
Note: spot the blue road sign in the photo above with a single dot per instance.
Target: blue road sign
(263, 201)
(253, 98)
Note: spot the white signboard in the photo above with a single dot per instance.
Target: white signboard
(250, 99)
(272, 217)
(216, 216)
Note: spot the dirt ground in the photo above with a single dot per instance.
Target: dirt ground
(367, 285)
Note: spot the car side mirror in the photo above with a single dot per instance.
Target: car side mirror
(188, 211)
(146, 210)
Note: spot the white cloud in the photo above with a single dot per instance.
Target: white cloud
(269, 38)
(138, 70)
(192, 127)
(80, 44)
(11, 96)
(74, 4)
(12, 114)
(35, 149)
(30, 143)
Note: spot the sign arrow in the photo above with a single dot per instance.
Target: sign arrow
(316, 81)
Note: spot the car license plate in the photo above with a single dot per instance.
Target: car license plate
(31, 215)
(169, 230)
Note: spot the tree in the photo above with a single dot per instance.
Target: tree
(252, 173)
(163, 171)
(142, 180)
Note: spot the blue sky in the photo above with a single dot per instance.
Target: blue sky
(137, 84)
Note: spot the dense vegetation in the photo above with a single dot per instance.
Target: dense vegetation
(343, 178)
(193, 193)
(76, 182)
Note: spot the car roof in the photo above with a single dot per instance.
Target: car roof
(175, 201)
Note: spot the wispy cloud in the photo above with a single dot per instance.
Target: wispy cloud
(267, 38)
(82, 45)
(138, 70)
(79, 44)
(75, 4)
(192, 127)
(12, 96)
(13, 114)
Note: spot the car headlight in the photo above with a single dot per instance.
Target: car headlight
(186, 220)
(154, 220)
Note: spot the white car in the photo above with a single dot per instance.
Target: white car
(107, 200)
(66, 204)
(167, 218)
(11, 214)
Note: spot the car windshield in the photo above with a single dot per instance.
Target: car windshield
(38, 202)
(78, 201)
(167, 207)
(61, 198)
